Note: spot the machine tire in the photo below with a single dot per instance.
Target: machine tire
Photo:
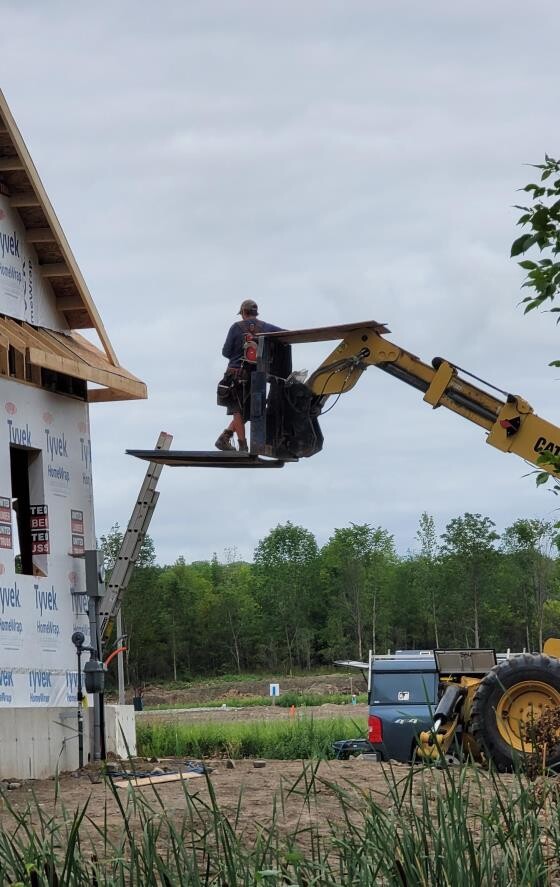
(498, 685)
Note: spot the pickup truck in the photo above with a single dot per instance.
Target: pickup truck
(402, 696)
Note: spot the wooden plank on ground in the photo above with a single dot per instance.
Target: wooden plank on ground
(155, 780)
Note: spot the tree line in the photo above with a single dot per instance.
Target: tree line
(300, 606)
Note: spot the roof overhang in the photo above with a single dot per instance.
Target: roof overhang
(56, 260)
(69, 354)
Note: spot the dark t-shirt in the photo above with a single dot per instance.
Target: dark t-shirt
(233, 346)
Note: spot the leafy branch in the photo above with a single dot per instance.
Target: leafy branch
(542, 219)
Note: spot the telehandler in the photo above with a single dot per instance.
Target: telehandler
(491, 711)
(491, 708)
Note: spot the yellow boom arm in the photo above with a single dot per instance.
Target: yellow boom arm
(511, 424)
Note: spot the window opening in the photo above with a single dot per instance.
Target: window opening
(31, 535)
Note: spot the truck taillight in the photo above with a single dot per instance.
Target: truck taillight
(375, 729)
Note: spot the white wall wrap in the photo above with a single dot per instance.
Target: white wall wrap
(38, 614)
(23, 293)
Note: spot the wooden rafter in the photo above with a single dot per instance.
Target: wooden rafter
(40, 235)
(68, 303)
(56, 269)
(27, 198)
(11, 164)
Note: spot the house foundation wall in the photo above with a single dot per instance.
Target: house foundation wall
(38, 743)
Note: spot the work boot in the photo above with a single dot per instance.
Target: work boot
(224, 441)
(243, 446)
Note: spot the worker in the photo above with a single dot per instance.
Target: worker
(240, 348)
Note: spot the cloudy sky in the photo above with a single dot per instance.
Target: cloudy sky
(334, 161)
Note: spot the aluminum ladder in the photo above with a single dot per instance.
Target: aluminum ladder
(133, 538)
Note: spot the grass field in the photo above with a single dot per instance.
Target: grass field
(302, 738)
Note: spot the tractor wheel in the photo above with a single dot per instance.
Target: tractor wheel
(509, 699)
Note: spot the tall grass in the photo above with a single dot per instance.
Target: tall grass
(461, 828)
(301, 738)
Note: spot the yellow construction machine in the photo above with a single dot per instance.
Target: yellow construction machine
(486, 708)
(492, 711)
(284, 420)
(491, 707)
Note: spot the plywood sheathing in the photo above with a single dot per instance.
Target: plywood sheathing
(29, 198)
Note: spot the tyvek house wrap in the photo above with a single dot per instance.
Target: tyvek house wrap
(39, 613)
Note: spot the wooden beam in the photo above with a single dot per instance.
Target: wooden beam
(26, 198)
(13, 336)
(27, 333)
(108, 395)
(44, 341)
(40, 235)
(326, 333)
(69, 303)
(56, 269)
(18, 358)
(78, 369)
(10, 164)
(4, 361)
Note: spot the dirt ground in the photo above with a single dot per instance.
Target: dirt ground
(207, 691)
(249, 713)
(278, 782)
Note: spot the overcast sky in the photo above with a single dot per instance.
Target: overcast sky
(334, 161)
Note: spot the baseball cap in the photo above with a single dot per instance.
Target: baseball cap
(249, 305)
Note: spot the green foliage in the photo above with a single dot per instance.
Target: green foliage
(110, 545)
(302, 738)
(542, 219)
(425, 577)
(298, 607)
(468, 542)
(534, 544)
(357, 570)
(285, 571)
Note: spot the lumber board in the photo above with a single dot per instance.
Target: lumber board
(107, 395)
(40, 235)
(45, 342)
(13, 333)
(324, 333)
(58, 269)
(74, 366)
(69, 303)
(155, 780)
(24, 199)
(11, 164)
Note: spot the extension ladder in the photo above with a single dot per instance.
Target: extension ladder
(132, 542)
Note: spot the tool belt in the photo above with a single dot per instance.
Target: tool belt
(228, 393)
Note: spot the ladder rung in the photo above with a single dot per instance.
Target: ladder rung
(132, 540)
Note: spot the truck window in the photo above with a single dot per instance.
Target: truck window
(390, 688)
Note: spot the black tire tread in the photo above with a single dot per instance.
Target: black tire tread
(483, 726)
